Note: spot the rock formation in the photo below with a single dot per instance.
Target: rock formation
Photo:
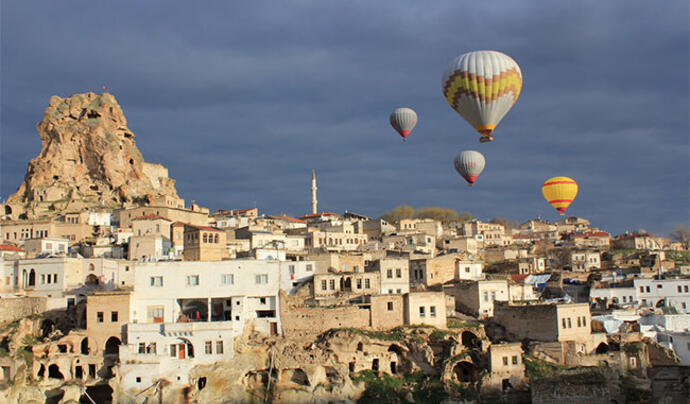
(88, 158)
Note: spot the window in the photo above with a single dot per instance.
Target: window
(486, 296)
(323, 285)
(367, 283)
(261, 279)
(208, 347)
(515, 360)
(309, 267)
(154, 314)
(685, 288)
(644, 302)
(219, 347)
(398, 291)
(291, 269)
(100, 316)
(579, 320)
(142, 348)
(43, 278)
(648, 290)
(173, 350)
(659, 286)
(493, 296)
(227, 279)
(262, 300)
(55, 278)
(359, 284)
(683, 305)
(156, 281)
(398, 273)
(390, 291)
(505, 361)
(390, 306)
(113, 316)
(192, 280)
(389, 274)
(680, 289)
(569, 323)
(467, 269)
(432, 311)
(151, 349)
(564, 323)
(331, 284)
(421, 311)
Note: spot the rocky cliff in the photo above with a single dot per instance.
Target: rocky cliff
(88, 158)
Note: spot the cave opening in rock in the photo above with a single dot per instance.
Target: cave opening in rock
(54, 372)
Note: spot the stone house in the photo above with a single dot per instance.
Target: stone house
(425, 308)
(507, 370)
(477, 298)
(549, 322)
(585, 260)
(394, 274)
(202, 243)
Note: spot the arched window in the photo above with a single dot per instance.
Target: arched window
(215, 239)
(32, 277)
(205, 238)
(92, 267)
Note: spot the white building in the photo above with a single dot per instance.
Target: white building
(664, 293)
(469, 270)
(679, 341)
(295, 273)
(615, 295)
(185, 313)
(45, 246)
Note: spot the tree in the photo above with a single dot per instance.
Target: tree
(507, 224)
(682, 235)
(436, 213)
(398, 213)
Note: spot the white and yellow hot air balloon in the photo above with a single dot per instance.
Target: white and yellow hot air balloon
(482, 86)
(559, 192)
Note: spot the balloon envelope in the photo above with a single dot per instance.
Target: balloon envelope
(403, 120)
(469, 164)
(559, 192)
(482, 86)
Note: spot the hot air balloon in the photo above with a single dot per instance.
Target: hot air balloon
(403, 120)
(469, 164)
(482, 86)
(559, 192)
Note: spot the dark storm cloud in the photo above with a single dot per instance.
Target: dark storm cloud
(240, 102)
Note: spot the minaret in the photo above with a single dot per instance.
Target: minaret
(313, 191)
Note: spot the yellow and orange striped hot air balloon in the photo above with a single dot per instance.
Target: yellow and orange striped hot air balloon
(559, 192)
(482, 86)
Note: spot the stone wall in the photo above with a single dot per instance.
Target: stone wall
(14, 308)
(557, 392)
(311, 321)
(538, 322)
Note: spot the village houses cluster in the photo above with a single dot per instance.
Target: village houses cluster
(158, 289)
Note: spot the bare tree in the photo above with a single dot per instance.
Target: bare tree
(682, 235)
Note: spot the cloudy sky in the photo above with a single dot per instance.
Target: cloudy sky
(241, 101)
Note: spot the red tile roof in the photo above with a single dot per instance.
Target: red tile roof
(10, 247)
(312, 215)
(517, 278)
(592, 234)
(203, 227)
(287, 219)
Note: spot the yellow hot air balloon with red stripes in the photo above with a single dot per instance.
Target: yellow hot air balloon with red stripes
(559, 192)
